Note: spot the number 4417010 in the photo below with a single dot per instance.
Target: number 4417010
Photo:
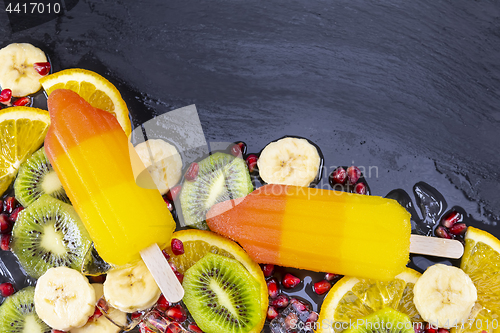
(34, 8)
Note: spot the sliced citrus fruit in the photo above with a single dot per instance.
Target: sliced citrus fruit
(481, 261)
(352, 298)
(22, 131)
(197, 243)
(92, 87)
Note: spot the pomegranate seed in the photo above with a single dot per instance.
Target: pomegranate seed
(442, 232)
(5, 242)
(272, 288)
(450, 219)
(144, 329)
(6, 96)
(103, 305)
(174, 192)
(43, 68)
(338, 176)
(136, 315)
(170, 206)
(271, 313)
(429, 328)
(298, 305)
(252, 162)
(5, 224)
(458, 228)
(15, 212)
(177, 246)
(23, 101)
(172, 265)
(192, 172)
(291, 321)
(280, 302)
(57, 331)
(237, 149)
(9, 204)
(180, 276)
(419, 327)
(174, 328)
(268, 270)
(353, 174)
(443, 330)
(177, 313)
(194, 328)
(360, 188)
(313, 317)
(330, 276)
(163, 304)
(321, 287)
(6, 289)
(166, 255)
(290, 281)
(1, 206)
(96, 315)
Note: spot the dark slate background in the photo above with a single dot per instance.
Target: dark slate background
(409, 87)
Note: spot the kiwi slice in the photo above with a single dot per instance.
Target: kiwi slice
(48, 234)
(221, 177)
(18, 315)
(36, 177)
(386, 320)
(221, 295)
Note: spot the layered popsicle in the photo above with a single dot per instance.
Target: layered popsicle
(318, 230)
(90, 153)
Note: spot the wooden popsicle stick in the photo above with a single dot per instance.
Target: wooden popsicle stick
(162, 273)
(438, 247)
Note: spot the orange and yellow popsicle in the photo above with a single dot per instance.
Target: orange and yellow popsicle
(318, 230)
(90, 153)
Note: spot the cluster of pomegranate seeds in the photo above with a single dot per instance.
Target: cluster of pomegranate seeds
(451, 226)
(290, 281)
(6, 289)
(297, 317)
(43, 68)
(9, 211)
(348, 180)
(192, 172)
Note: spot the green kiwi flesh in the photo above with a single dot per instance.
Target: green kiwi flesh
(36, 177)
(48, 234)
(386, 320)
(221, 295)
(18, 315)
(221, 177)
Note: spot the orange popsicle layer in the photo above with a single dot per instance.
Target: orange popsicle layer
(318, 230)
(89, 152)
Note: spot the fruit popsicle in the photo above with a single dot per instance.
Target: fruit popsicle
(318, 230)
(90, 153)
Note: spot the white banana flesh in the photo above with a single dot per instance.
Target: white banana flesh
(102, 324)
(289, 161)
(444, 296)
(131, 288)
(64, 299)
(16, 68)
(163, 162)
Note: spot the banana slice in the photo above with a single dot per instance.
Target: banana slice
(444, 296)
(64, 299)
(289, 161)
(16, 68)
(102, 324)
(163, 163)
(131, 288)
